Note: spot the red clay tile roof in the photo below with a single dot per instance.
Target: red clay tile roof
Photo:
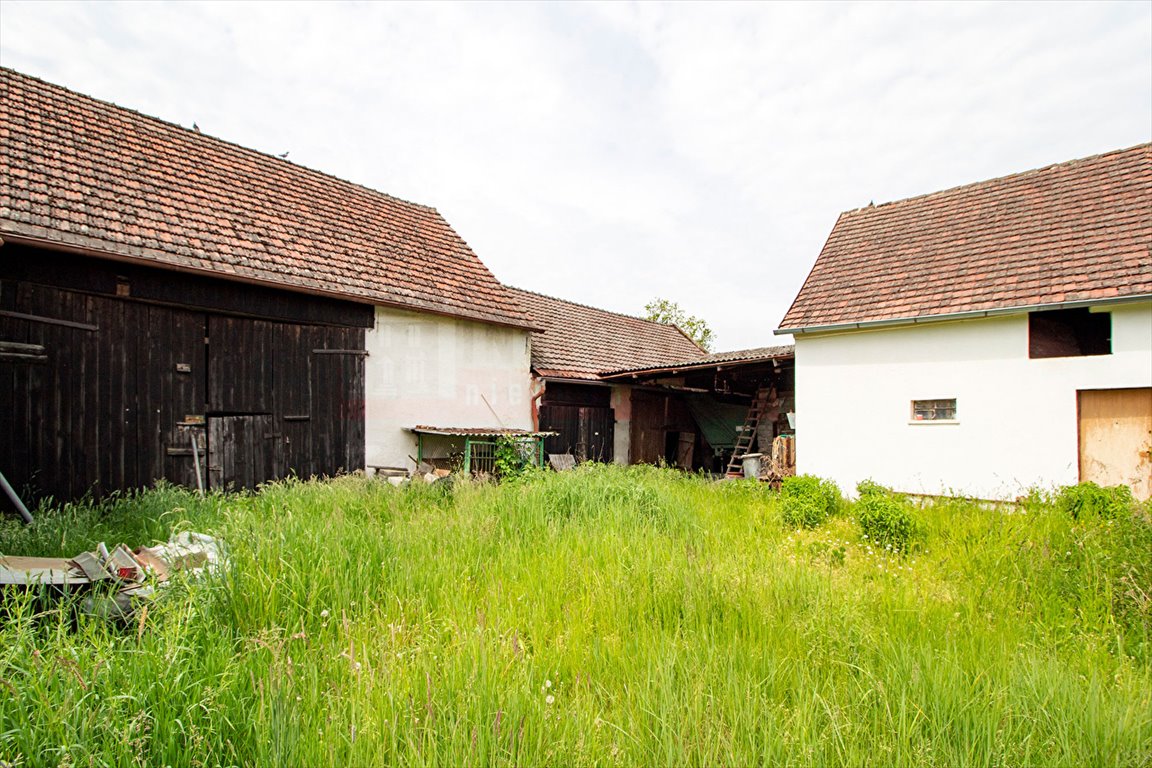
(85, 174)
(578, 342)
(1077, 231)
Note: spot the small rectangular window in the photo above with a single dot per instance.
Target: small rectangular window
(1069, 333)
(934, 410)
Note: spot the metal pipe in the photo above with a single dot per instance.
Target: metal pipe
(23, 510)
(196, 462)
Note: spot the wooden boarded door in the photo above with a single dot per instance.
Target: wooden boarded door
(597, 429)
(241, 451)
(586, 432)
(685, 450)
(1116, 438)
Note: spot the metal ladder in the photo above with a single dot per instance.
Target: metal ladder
(748, 432)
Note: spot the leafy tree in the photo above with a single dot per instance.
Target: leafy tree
(664, 311)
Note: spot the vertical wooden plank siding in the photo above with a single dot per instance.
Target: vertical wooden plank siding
(586, 432)
(292, 365)
(101, 412)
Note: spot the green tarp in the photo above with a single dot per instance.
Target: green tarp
(718, 421)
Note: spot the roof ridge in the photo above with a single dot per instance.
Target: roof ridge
(1006, 177)
(218, 140)
(1064, 234)
(220, 206)
(599, 309)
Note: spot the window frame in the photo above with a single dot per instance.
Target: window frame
(933, 404)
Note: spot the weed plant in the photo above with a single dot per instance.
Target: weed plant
(808, 501)
(886, 519)
(604, 616)
(1090, 500)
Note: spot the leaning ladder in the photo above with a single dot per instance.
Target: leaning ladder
(748, 432)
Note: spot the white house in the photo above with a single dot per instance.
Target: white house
(985, 339)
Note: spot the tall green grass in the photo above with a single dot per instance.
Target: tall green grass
(605, 616)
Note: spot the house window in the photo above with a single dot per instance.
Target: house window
(934, 410)
(1069, 333)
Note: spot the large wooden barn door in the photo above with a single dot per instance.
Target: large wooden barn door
(338, 358)
(1116, 438)
(170, 389)
(283, 399)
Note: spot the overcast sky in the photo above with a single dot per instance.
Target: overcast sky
(609, 154)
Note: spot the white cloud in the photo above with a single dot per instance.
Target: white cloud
(613, 152)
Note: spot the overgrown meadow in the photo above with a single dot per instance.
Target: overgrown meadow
(606, 616)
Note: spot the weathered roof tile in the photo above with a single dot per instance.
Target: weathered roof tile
(1075, 231)
(85, 173)
(578, 342)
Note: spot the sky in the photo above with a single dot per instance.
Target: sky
(613, 153)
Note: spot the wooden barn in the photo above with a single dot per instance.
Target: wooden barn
(173, 306)
(617, 388)
(591, 417)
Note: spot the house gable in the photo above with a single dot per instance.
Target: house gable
(1076, 232)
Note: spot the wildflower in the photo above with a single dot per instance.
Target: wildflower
(549, 699)
(324, 613)
(547, 683)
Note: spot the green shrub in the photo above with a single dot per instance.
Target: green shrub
(1090, 500)
(886, 518)
(515, 459)
(872, 488)
(808, 501)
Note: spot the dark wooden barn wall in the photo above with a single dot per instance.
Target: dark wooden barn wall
(101, 410)
(586, 432)
(654, 415)
(583, 419)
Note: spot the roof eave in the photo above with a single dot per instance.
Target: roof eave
(674, 369)
(7, 236)
(970, 315)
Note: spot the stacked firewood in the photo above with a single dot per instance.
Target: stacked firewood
(782, 464)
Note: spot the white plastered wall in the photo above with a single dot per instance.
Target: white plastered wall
(440, 371)
(1017, 417)
(622, 430)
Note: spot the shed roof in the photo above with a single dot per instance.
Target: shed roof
(82, 174)
(1078, 231)
(578, 341)
(424, 429)
(734, 357)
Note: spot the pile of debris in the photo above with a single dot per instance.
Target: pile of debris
(129, 576)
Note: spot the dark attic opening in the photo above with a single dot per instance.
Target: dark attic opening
(1069, 333)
